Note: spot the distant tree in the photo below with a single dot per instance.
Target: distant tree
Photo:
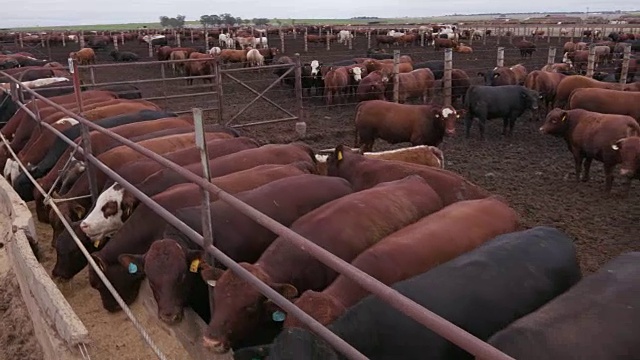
(216, 20)
(206, 20)
(246, 21)
(227, 19)
(238, 20)
(261, 21)
(277, 21)
(176, 22)
(293, 22)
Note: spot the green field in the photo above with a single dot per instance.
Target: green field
(275, 22)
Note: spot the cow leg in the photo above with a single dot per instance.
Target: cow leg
(505, 123)
(578, 158)
(481, 122)
(468, 121)
(587, 167)
(608, 182)
(512, 123)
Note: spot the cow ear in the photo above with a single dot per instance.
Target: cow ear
(211, 274)
(133, 263)
(350, 70)
(287, 290)
(79, 211)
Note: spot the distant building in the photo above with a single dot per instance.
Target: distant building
(553, 19)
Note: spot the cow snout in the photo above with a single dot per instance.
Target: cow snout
(450, 132)
(542, 130)
(170, 317)
(216, 345)
(84, 227)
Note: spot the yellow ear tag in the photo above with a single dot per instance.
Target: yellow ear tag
(339, 155)
(96, 244)
(194, 266)
(564, 117)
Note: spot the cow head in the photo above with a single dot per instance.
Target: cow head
(315, 68)
(113, 207)
(76, 168)
(69, 259)
(336, 160)
(556, 123)
(356, 72)
(320, 306)
(490, 77)
(448, 116)
(168, 266)
(239, 306)
(125, 281)
(530, 97)
(72, 210)
(628, 150)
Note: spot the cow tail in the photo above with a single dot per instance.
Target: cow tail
(356, 140)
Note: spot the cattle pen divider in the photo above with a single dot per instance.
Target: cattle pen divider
(216, 87)
(439, 325)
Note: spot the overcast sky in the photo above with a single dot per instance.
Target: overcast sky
(17, 13)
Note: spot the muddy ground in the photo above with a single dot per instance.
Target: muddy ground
(532, 171)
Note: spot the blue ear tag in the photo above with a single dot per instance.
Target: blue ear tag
(278, 316)
(133, 268)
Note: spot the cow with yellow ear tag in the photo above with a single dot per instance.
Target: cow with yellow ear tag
(590, 136)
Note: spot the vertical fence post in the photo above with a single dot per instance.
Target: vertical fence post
(306, 44)
(484, 36)
(218, 80)
(281, 41)
(328, 41)
(20, 40)
(548, 35)
(500, 59)
(396, 70)
(301, 125)
(122, 38)
(179, 38)
(115, 42)
(49, 47)
(150, 48)
(551, 58)
(448, 67)
(201, 144)
(295, 33)
(163, 74)
(369, 39)
(206, 40)
(86, 141)
(625, 64)
(81, 39)
(350, 41)
(591, 60)
(192, 36)
(498, 31)
(64, 39)
(422, 38)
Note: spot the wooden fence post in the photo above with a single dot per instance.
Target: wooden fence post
(218, 85)
(548, 35)
(64, 39)
(350, 41)
(306, 44)
(295, 33)
(328, 41)
(625, 64)
(81, 39)
(369, 39)
(122, 38)
(551, 58)
(396, 70)
(206, 40)
(484, 36)
(150, 48)
(115, 42)
(281, 41)
(448, 67)
(500, 59)
(301, 125)
(591, 60)
(192, 36)
(497, 36)
(422, 38)
(179, 39)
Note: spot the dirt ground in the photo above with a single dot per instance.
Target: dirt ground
(532, 171)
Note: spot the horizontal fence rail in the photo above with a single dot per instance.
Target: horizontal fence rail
(441, 326)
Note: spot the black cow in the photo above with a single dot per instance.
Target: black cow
(614, 36)
(8, 107)
(9, 63)
(436, 67)
(378, 54)
(24, 187)
(596, 319)
(123, 56)
(97, 43)
(481, 291)
(489, 102)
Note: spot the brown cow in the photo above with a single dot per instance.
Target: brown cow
(570, 83)
(589, 136)
(413, 250)
(460, 82)
(463, 49)
(164, 52)
(145, 226)
(520, 73)
(315, 39)
(545, 83)
(373, 65)
(558, 67)
(336, 83)
(99, 144)
(84, 56)
(579, 59)
(178, 67)
(526, 48)
(607, 101)
(396, 123)
(115, 159)
(628, 149)
(371, 87)
(239, 237)
(390, 207)
(439, 43)
(364, 173)
(407, 39)
(501, 75)
(200, 68)
(385, 39)
(569, 46)
(233, 56)
(418, 83)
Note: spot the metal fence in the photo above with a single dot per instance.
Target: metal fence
(439, 325)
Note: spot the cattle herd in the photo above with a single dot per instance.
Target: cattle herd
(398, 215)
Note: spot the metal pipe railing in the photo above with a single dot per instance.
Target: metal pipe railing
(436, 323)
